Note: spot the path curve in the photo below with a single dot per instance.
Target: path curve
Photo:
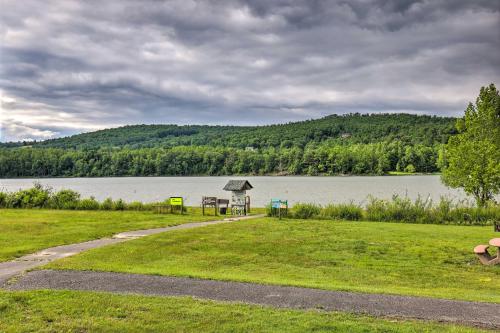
(461, 312)
(18, 266)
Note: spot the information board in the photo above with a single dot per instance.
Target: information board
(176, 201)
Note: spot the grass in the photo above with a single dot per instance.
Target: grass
(65, 311)
(24, 231)
(406, 259)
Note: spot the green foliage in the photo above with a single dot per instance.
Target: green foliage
(306, 210)
(41, 197)
(35, 197)
(350, 211)
(65, 199)
(376, 144)
(119, 205)
(3, 199)
(135, 205)
(351, 128)
(472, 158)
(107, 204)
(400, 209)
(88, 204)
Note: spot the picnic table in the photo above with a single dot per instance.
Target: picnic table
(484, 256)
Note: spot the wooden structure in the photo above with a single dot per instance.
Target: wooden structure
(223, 205)
(484, 256)
(279, 208)
(174, 204)
(209, 202)
(161, 209)
(240, 202)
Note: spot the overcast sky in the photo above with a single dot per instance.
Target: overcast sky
(73, 66)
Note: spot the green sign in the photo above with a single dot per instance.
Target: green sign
(176, 201)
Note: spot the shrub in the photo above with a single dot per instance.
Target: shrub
(65, 199)
(88, 204)
(35, 197)
(306, 210)
(135, 205)
(107, 204)
(119, 205)
(348, 211)
(3, 199)
(269, 210)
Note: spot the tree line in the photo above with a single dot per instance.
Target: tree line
(335, 129)
(314, 159)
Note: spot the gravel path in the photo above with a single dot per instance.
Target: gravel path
(470, 313)
(13, 268)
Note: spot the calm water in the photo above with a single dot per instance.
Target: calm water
(320, 190)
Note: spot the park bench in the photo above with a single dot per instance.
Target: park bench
(484, 256)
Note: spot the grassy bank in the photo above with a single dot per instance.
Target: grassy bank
(24, 231)
(64, 311)
(406, 259)
(400, 209)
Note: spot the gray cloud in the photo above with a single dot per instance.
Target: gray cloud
(72, 66)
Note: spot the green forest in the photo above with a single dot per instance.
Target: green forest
(337, 144)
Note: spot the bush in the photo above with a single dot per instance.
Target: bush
(35, 197)
(107, 204)
(88, 204)
(65, 199)
(135, 205)
(399, 209)
(348, 211)
(3, 200)
(119, 205)
(306, 210)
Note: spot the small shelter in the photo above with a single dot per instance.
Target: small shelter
(240, 202)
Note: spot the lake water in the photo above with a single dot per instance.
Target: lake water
(322, 190)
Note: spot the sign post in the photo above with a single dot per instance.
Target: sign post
(279, 207)
(176, 202)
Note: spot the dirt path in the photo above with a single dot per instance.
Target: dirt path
(13, 268)
(469, 313)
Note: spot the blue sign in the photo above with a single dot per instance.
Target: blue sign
(275, 203)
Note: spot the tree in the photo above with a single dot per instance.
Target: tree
(472, 157)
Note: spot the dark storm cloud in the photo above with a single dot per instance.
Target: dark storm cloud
(72, 66)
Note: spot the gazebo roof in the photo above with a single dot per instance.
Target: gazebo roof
(237, 185)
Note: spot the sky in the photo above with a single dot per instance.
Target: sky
(76, 66)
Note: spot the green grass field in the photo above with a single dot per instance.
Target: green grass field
(24, 231)
(64, 311)
(396, 258)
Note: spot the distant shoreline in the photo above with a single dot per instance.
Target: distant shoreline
(392, 174)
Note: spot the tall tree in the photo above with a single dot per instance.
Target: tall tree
(472, 158)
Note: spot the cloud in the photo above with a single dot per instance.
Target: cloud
(66, 67)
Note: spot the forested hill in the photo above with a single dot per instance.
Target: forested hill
(351, 144)
(353, 128)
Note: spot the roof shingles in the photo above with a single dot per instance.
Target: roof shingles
(237, 185)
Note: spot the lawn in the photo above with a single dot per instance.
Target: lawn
(395, 258)
(24, 231)
(65, 311)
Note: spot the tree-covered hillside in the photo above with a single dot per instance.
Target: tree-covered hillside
(353, 128)
(351, 144)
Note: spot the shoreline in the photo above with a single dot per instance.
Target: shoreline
(391, 174)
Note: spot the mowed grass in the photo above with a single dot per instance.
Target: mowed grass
(24, 231)
(65, 311)
(407, 259)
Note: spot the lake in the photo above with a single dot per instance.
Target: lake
(322, 190)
